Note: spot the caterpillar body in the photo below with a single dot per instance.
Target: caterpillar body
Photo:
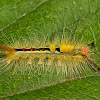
(69, 58)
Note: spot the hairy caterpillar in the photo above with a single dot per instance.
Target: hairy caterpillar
(69, 57)
(32, 63)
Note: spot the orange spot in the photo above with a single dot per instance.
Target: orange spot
(85, 51)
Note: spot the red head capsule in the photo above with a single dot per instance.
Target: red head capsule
(23, 49)
(85, 51)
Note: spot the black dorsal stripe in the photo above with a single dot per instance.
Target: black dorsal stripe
(37, 49)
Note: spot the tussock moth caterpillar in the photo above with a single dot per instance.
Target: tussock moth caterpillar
(33, 63)
(72, 59)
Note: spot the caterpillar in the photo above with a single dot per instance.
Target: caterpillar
(70, 58)
(31, 63)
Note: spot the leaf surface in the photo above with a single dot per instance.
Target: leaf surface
(50, 19)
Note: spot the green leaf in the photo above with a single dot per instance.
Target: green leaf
(12, 10)
(51, 18)
(87, 88)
